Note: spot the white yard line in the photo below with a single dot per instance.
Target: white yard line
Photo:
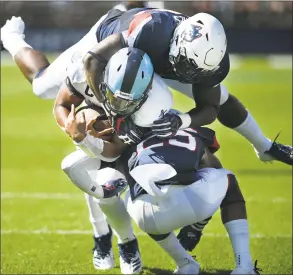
(89, 232)
(64, 196)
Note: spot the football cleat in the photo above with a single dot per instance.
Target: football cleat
(189, 237)
(103, 257)
(240, 270)
(130, 261)
(190, 266)
(13, 26)
(280, 152)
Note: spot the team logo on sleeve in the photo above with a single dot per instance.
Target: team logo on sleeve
(191, 33)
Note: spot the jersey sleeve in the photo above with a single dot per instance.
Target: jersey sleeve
(76, 80)
(148, 35)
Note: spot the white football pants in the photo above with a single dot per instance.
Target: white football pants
(182, 205)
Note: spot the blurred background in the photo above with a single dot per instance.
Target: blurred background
(251, 26)
(45, 227)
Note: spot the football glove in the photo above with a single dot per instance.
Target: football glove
(114, 188)
(126, 130)
(167, 126)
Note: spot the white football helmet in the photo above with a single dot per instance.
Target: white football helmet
(198, 44)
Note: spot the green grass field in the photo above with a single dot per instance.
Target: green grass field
(44, 218)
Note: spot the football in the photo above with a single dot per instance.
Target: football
(101, 123)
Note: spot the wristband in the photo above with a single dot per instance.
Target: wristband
(186, 120)
(91, 145)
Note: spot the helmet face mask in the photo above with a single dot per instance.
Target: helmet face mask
(119, 103)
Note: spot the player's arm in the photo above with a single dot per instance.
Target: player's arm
(66, 97)
(207, 106)
(97, 58)
(96, 147)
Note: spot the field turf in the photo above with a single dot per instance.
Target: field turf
(44, 218)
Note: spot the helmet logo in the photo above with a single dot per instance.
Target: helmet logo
(191, 33)
(123, 95)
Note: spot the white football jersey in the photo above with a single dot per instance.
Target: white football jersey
(158, 103)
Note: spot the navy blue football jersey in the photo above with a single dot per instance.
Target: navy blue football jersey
(183, 152)
(151, 30)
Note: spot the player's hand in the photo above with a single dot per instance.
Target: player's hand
(167, 126)
(126, 130)
(114, 188)
(91, 130)
(75, 128)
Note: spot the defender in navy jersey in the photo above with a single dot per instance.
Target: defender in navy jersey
(184, 152)
(190, 50)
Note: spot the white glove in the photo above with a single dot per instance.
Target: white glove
(13, 26)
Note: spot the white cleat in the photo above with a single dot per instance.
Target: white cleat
(103, 257)
(189, 267)
(103, 263)
(264, 157)
(13, 26)
(130, 261)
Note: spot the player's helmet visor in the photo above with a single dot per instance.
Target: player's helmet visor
(121, 103)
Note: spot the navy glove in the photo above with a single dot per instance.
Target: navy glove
(126, 130)
(114, 187)
(167, 126)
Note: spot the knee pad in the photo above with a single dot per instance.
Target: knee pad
(85, 173)
(82, 170)
(233, 194)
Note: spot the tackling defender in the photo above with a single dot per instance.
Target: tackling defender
(190, 50)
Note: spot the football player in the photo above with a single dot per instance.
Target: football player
(123, 96)
(170, 189)
(190, 50)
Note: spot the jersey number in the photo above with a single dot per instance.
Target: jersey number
(175, 141)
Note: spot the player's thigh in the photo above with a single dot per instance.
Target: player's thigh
(206, 195)
(161, 215)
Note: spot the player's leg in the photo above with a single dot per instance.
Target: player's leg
(233, 212)
(46, 78)
(102, 236)
(75, 165)
(167, 241)
(234, 115)
(120, 221)
(234, 218)
(83, 172)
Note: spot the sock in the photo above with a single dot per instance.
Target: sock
(174, 249)
(251, 131)
(97, 218)
(118, 218)
(13, 43)
(199, 226)
(239, 237)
